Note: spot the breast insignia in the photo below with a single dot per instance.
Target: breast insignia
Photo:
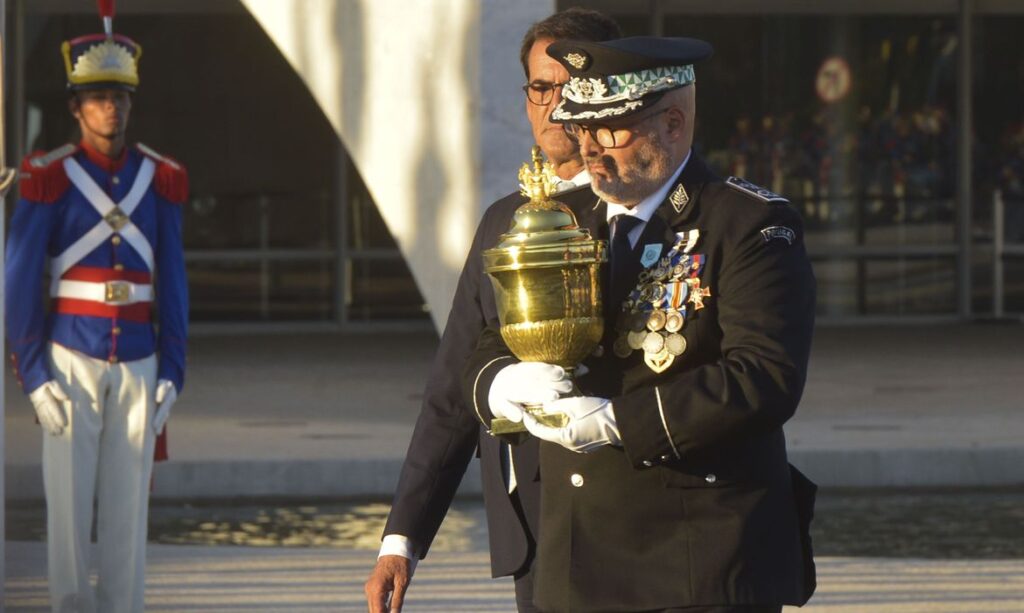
(756, 191)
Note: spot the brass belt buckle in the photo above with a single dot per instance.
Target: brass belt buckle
(118, 292)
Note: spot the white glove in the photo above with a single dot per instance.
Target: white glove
(48, 400)
(525, 383)
(591, 424)
(165, 397)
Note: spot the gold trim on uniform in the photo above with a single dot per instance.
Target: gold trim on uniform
(577, 60)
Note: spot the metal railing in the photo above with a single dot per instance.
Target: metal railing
(1001, 250)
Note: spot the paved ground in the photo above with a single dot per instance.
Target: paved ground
(182, 578)
(331, 415)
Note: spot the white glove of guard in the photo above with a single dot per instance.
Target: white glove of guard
(525, 383)
(166, 394)
(48, 400)
(591, 424)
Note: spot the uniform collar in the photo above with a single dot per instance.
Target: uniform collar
(648, 205)
(103, 162)
(685, 189)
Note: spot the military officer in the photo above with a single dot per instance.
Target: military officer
(669, 489)
(447, 431)
(103, 221)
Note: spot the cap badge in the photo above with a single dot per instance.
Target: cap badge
(576, 60)
(584, 90)
(679, 198)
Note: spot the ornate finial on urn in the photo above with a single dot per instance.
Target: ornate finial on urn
(537, 184)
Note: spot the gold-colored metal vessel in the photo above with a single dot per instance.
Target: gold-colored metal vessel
(546, 274)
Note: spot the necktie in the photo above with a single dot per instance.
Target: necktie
(620, 257)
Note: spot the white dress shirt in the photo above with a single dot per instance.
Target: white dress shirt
(645, 209)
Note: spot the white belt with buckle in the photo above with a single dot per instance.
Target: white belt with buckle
(116, 293)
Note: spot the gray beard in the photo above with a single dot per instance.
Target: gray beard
(650, 169)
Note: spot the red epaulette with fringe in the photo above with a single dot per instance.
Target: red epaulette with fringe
(42, 178)
(171, 178)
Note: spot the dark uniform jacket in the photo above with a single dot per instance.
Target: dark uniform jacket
(700, 506)
(447, 431)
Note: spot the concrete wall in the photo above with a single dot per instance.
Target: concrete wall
(424, 95)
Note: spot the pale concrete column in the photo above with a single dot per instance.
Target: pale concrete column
(505, 137)
(424, 97)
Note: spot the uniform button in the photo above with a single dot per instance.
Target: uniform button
(116, 180)
(598, 351)
(118, 266)
(576, 479)
(116, 240)
(666, 458)
(647, 463)
(116, 330)
(711, 478)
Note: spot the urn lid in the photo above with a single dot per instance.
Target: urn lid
(542, 220)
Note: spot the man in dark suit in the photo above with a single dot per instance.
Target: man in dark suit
(447, 431)
(669, 488)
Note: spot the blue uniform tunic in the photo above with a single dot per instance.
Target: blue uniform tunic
(49, 217)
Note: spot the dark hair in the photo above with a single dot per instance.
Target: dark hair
(574, 23)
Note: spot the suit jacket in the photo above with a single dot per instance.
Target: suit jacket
(447, 431)
(700, 505)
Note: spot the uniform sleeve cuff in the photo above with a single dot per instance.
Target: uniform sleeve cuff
(397, 544)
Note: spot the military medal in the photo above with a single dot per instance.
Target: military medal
(653, 343)
(698, 293)
(673, 321)
(660, 361)
(635, 340)
(656, 321)
(655, 312)
(675, 344)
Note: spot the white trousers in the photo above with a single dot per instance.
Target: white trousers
(106, 453)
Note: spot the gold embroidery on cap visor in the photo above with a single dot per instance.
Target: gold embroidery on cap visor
(622, 92)
(576, 60)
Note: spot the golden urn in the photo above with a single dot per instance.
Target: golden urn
(546, 274)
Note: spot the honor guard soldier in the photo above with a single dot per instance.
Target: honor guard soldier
(103, 221)
(669, 487)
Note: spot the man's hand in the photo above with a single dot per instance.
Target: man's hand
(525, 383)
(591, 424)
(48, 400)
(166, 395)
(385, 589)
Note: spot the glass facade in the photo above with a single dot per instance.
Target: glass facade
(852, 115)
(998, 69)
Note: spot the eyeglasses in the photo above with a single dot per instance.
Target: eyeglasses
(541, 92)
(607, 136)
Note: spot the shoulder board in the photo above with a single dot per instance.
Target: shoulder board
(156, 157)
(42, 179)
(171, 179)
(762, 194)
(44, 160)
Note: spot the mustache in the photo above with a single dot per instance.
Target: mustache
(605, 160)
